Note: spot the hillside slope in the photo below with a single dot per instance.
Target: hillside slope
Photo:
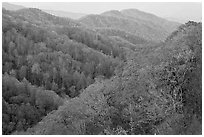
(157, 91)
(58, 56)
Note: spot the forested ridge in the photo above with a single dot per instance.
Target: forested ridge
(144, 25)
(64, 76)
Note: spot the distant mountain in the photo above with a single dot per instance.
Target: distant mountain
(183, 19)
(71, 15)
(142, 24)
(180, 20)
(37, 16)
(9, 6)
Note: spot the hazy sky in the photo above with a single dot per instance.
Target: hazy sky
(187, 10)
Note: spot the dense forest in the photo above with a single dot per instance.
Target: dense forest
(64, 76)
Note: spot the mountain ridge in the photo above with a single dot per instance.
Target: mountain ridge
(143, 26)
(72, 15)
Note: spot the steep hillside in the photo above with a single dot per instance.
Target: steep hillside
(57, 56)
(157, 91)
(77, 48)
(24, 105)
(139, 23)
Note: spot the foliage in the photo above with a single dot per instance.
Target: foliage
(24, 105)
(51, 59)
(147, 89)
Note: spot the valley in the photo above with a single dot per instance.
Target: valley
(122, 72)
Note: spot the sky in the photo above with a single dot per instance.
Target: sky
(181, 10)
